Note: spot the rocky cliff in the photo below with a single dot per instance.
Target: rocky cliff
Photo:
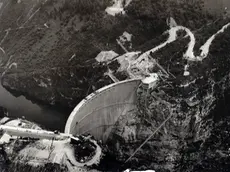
(187, 112)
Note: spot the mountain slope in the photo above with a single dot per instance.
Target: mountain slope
(49, 47)
(48, 51)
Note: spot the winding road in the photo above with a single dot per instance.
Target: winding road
(144, 62)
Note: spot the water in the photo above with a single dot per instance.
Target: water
(20, 106)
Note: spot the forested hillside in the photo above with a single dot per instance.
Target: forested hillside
(50, 46)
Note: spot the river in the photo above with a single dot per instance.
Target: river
(20, 106)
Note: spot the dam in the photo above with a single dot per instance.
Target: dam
(98, 112)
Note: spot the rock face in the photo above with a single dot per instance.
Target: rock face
(193, 109)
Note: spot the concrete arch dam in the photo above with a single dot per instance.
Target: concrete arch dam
(99, 111)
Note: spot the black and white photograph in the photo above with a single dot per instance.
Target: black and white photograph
(114, 85)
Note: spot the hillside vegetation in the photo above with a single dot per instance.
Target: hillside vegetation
(53, 43)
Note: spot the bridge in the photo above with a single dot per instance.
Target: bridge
(98, 112)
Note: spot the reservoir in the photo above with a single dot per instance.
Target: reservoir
(19, 107)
